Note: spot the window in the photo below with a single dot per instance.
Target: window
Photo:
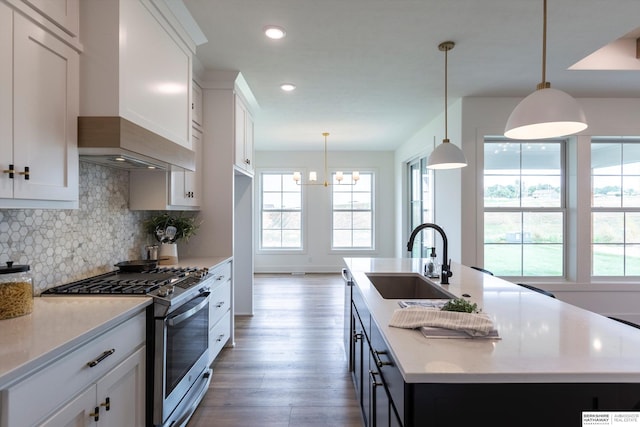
(280, 211)
(352, 207)
(524, 208)
(615, 208)
(421, 209)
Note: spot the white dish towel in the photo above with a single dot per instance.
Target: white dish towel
(474, 324)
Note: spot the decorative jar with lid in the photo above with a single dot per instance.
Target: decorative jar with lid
(16, 291)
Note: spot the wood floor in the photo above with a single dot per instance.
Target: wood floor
(288, 367)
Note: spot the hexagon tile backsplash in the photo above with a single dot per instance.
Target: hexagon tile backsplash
(66, 245)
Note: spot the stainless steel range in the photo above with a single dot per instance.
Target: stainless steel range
(178, 335)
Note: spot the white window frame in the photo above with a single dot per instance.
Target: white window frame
(621, 209)
(279, 250)
(522, 210)
(373, 189)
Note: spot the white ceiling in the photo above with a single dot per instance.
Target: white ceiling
(370, 72)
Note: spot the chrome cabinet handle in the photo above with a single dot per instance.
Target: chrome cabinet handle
(100, 358)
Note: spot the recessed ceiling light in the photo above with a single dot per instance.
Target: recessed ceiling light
(287, 87)
(273, 32)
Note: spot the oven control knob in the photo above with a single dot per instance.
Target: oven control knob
(165, 291)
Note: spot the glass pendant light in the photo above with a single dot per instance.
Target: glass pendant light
(547, 112)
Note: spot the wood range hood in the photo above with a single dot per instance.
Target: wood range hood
(119, 143)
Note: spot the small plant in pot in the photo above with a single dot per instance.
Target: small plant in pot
(167, 229)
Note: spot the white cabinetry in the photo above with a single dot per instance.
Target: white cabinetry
(39, 77)
(116, 400)
(177, 189)
(102, 383)
(220, 317)
(196, 104)
(243, 136)
(136, 67)
(63, 13)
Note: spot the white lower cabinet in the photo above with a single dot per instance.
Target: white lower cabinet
(116, 400)
(100, 383)
(220, 316)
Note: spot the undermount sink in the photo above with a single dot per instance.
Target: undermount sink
(407, 286)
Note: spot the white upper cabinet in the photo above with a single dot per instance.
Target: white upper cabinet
(136, 66)
(38, 116)
(177, 189)
(243, 136)
(63, 13)
(196, 104)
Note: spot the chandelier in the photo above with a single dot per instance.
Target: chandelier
(313, 176)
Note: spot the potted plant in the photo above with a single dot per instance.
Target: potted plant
(167, 229)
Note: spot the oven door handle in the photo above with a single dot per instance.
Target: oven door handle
(172, 321)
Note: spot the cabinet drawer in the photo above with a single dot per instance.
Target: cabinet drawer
(219, 335)
(51, 386)
(221, 274)
(220, 303)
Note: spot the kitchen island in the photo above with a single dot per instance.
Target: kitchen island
(552, 362)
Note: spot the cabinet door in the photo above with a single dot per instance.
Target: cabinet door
(45, 115)
(121, 393)
(379, 407)
(80, 412)
(6, 100)
(240, 113)
(196, 104)
(360, 364)
(248, 142)
(64, 13)
(185, 185)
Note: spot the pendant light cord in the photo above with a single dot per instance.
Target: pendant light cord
(446, 113)
(544, 83)
(446, 47)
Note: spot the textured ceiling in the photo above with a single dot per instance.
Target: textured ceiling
(370, 72)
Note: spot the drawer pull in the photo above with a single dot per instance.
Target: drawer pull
(101, 358)
(379, 362)
(95, 414)
(220, 304)
(220, 277)
(220, 338)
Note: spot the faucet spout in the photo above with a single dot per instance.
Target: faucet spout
(446, 265)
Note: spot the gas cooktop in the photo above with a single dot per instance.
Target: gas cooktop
(129, 283)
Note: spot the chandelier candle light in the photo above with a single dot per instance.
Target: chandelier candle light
(313, 176)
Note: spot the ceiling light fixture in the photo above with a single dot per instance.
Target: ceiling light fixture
(313, 176)
(547, 112)
(446, 155)
(287, 87)
(274, 32)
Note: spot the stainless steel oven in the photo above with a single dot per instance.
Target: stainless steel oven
(181, 346)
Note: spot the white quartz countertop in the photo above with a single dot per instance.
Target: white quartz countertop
(56, 326)
(543, 339)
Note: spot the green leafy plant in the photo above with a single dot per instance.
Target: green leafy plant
(460, 305)
(186, 227)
